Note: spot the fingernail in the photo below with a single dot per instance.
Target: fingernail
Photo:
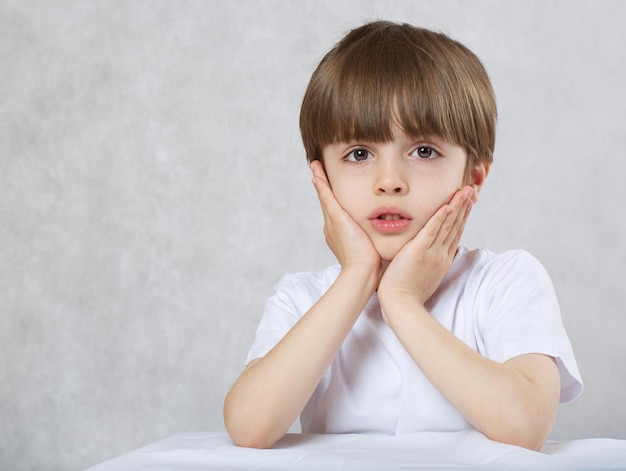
(470, 203)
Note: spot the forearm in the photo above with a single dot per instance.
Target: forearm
(270, 394)
(498, 399)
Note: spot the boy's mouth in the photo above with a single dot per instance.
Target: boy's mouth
(390, 220)
(390, 217)
(389, 214)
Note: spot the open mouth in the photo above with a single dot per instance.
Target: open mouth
(390, 220)
(390, 217)
(389, 213)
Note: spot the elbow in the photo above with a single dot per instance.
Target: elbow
(249, 437)
(526, 419)
(527, 432)
(527, 441)
(525, 423)
(243, 430)
(250, 440)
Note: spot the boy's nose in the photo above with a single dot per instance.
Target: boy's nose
(391, 181)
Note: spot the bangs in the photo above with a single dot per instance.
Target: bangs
(397, 75)
(365, 105)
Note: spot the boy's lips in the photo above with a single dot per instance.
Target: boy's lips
(389, 219)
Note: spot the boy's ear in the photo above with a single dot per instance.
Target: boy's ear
(478, 176)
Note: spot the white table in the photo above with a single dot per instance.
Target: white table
(420, 451)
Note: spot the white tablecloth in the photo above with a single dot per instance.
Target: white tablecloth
(420, 451)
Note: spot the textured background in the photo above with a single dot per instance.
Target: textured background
(153, 188)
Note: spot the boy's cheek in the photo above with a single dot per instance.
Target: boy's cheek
(440, 195)
(348, 198)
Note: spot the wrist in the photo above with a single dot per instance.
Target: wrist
(397, 306)
(400, 298)
(364, 275)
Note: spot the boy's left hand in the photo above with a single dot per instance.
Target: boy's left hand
(417, 270)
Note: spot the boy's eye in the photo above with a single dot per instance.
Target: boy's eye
(358, 155)
(425, 152)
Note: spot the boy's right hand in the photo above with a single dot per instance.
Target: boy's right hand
(347, 240)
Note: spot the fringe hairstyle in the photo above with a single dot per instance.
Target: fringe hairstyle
(384, 73)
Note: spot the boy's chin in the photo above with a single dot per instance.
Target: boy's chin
(387, 254)
(389, 247)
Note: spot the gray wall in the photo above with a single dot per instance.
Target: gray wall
(153, 188)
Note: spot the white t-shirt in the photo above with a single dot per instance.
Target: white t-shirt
(501, 306)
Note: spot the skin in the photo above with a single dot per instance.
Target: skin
(514, 402)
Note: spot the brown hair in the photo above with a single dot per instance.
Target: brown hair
(384, 73)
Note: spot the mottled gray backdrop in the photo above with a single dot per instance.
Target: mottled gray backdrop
(153, 188)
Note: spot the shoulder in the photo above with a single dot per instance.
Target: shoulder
(307, 285)
(486, 257)
(322, 278)
(491, 267)
(517, 312)
(294, 294)
(500, 280)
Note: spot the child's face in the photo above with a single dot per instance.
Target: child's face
(391, 189)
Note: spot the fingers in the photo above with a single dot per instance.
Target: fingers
(450, 220)
(322, 187)
(318, 171)
(460, 228)
(331, 209)
(464, 202)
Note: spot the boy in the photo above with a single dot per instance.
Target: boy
(410, 332)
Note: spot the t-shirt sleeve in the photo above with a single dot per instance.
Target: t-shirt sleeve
(293, 297)
(523, 316)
